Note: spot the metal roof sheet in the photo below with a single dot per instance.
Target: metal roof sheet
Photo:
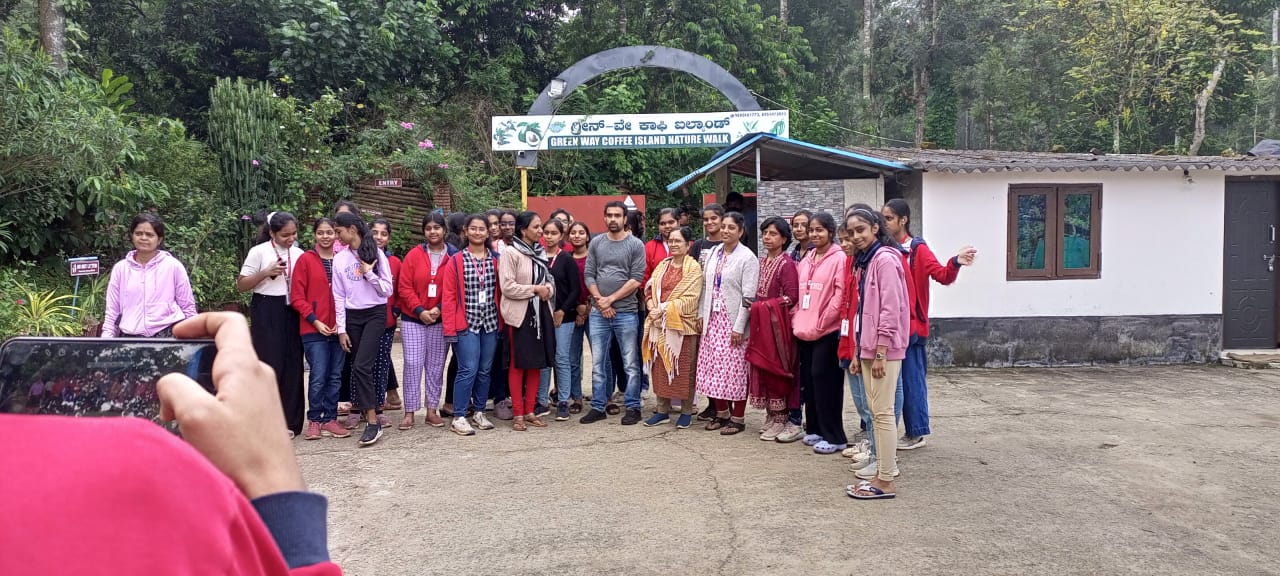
(986, 161)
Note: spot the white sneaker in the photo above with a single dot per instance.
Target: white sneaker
(860, 448)
(481, 422)
(909, 443)
(861, 461)
(870, 471)
(461, 427)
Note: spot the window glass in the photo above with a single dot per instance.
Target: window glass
(1032, 210)
(1077, 230)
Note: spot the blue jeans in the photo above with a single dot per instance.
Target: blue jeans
(475, 360)
(915, 411)
(625, 327)
(324, 360)
(567, 335)
(859, 392)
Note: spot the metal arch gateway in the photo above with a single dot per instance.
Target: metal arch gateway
(633, 57)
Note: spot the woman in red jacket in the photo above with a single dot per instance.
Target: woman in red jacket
(418, 292)
(469, 302)
(921, 266)
(311, 294)
(656, 250)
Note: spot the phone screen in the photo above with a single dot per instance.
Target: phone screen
(96, 376)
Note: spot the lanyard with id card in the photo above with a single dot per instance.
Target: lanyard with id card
(717, 303)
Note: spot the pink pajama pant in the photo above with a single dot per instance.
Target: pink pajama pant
(424, 347)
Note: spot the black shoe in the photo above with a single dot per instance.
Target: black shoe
(708, 414)
(372, 432)
(593, 416)
(632, 418)
(539, 410)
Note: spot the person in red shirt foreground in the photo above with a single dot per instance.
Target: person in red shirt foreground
(921, 266)
(124, 496)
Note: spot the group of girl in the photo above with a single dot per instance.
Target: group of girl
(827, 304)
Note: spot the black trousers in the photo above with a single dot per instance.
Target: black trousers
(274, 331)
(450, 377)
(824, 385)
(365, 328)
(498, 389)
(344, 392)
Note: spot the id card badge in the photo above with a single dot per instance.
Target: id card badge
(483, 298)
(717, 306)
(844, 328)
(857, 323)
(804, 302)
(431, 291)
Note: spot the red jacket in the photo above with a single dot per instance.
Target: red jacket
(654, 252)
(414, 282)
(393, 302)
(848, 349)
(921, 265)
(452, 304)
(123, 496)
(311, 294)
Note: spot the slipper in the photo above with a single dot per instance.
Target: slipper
(825, 447)
(811, 439)
(875, 493)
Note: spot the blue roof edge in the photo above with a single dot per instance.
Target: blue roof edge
(729, 152)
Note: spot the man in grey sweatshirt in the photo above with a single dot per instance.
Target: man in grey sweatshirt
(614, 272)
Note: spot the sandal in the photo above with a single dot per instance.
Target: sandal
(612, 409)
(730, 428)
(535, 421)
(407, 422)
(866, 491)
(575, 407)
(518, 424)
(715, 424)
(825, 447)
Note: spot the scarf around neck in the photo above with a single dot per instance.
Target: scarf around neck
(541, 266)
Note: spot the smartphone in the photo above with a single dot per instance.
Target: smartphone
(97, 376)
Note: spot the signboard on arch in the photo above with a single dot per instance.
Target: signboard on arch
(605, 131)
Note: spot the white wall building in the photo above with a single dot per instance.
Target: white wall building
(1152, 259)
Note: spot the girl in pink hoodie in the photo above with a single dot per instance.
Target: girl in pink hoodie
(881, 330)
(815, 321)
(149, 290)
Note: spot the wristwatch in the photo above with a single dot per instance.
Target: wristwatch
(879, 355)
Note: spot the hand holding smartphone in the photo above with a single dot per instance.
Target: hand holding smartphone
(97, 376)
(222, 397)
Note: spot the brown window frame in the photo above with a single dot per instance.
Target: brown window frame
(1055, 206)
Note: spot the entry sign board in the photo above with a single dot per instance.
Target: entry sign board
(388, 183)
(713, 130)
(85, 266)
